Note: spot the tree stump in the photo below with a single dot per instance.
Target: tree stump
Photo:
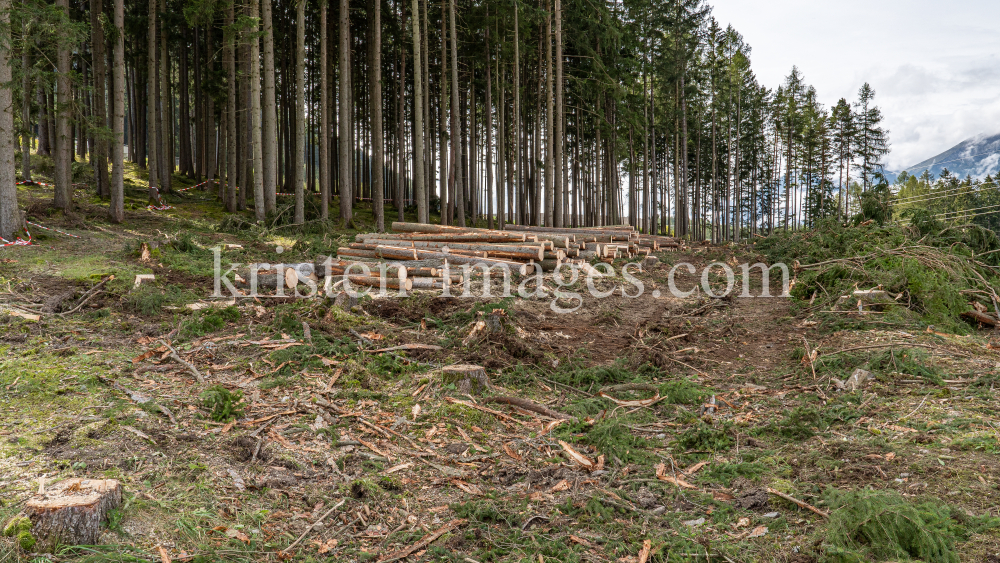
(71, 512)
(468, 379)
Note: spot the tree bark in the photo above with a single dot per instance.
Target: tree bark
(418, 119)
(300, 110)
(344, 114)
(26, 109)
(64, 138)
(151, 134)
(378, 159)
(559, 132)
(71, 512)
(456, 135)
(443, 120)
(258, 158)
(270, 148)
(116, 209)
(324, 137)
(10, 215)
(187, 166)
(489, 133)
(166, 161)
(229, 57)
(549, 125)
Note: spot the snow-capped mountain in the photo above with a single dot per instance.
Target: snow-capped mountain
(975, 157)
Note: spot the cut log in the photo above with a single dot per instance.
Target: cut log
(980, 317)
(71, 512)
(467, 378)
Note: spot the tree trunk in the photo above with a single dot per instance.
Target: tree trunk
(549, 125)
(270, 149)
(559, 132)
(151, 75)
(378, 159)
(64, 139)
(456, 136)
(116, 209)
(10, 215)
(258, 158)
(324, 137)
(166, 164)
(199, 115)
(443, 119)
(344, 115)
(187, 167)
(44, 133)
(489, 134)
(211, 142)
(418, 121)
(229, 60)
(428, 137)
(517, 122)
(26, 110)
(71, 512)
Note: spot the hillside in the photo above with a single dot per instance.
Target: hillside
(975, 157)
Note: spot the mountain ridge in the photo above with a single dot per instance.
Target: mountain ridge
(976, 156)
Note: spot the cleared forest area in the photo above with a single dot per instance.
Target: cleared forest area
(653, 428)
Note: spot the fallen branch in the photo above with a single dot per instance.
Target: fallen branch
(87, 296)
(173, 356)
(569, 387)
(497, 414)
(630, 387)
(529, 405)
(313, 525)
(799, 503)
(427, 540)
(903, 344)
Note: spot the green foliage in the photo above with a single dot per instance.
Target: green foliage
(683, 392)
(618, 372)
(149, 300)
(805, 421)
(908, 361)
(705, 437)
(610, 437)
(209, 320)
(928, 274)
(223, 404)
(876, 203)
(487, 511)
(870, 525)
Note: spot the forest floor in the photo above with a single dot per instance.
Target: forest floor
(317, 421)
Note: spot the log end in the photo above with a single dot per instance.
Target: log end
(71, 512)
(468, 379)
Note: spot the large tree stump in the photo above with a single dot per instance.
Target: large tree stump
(71, 512)
(468, 379)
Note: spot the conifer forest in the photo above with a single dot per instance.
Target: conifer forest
(479, 281)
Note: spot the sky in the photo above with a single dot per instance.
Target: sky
(935, 66)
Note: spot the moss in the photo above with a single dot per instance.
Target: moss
(17, 525)
(25, 540)
(20, 529)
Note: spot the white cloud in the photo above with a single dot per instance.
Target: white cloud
(935, 67)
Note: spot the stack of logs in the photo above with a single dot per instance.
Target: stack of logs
(524, 249)
(415, 254)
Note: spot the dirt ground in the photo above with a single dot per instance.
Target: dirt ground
(302, 434)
